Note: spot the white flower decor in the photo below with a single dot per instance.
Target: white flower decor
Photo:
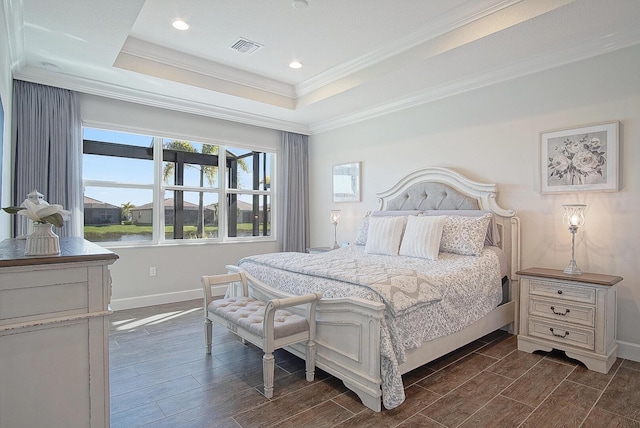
(576, 160)
(40, 211)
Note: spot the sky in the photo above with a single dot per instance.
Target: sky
(137, 171)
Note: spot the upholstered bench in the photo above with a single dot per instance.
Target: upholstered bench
(264, 324)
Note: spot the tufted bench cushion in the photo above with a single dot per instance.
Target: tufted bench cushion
(248, 313)
(265, 324)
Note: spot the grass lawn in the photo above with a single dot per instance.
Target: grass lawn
(114, 232)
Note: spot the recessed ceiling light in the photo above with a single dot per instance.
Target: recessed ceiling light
(179, 24)
(300, 4)
(295, 64)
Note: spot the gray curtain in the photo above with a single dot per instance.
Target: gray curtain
(294, 222)
(47, 149)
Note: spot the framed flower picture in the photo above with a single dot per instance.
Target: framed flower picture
(580, 159)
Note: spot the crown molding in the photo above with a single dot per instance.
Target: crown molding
(526, 67)
(451, 21)
(122, 93)
(151, 52)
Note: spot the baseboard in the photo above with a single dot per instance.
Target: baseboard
(629, 351)
(160, 299)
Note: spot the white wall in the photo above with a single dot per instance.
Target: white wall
(179, 267)
(491, 135)
(5, 150)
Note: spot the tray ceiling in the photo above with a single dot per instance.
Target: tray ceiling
(361, 58)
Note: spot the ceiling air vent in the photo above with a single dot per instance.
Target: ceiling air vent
(245, 46)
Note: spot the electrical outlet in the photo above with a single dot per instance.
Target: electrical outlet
(152, 271)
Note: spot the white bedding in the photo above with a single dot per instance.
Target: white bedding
(466, 287)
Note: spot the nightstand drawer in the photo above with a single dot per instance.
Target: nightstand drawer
(562, 333)
(562, 311)
(557, 290)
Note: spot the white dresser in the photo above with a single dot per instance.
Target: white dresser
(572, 313)
(54, 345)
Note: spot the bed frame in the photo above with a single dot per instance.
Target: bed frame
(348, 329)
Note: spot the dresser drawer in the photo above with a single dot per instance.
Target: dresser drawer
(562, 311)
(562, 333)
(557, 291)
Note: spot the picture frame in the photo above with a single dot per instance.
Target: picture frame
(581, 159)
(346, 182)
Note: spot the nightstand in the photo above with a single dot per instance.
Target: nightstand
(573, 313)
(318, 250)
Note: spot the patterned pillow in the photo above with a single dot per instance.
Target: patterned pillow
(493, 236)
(385, 234)
(422, 237)
(464, 235)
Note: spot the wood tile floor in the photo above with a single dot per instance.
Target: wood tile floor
(161, 377)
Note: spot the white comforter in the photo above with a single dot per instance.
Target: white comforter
(452, 293)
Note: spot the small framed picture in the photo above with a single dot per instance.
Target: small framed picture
(580, 159)
(346, 182)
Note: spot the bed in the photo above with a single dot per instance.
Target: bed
(384, 314)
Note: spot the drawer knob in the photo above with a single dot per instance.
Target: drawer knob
(566, 311)
(566, 333)
(559, 291)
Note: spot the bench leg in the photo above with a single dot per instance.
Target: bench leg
(208, 334)
(268, 367)
(311, 360)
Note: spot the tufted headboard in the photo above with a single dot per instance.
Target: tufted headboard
(444, 189)
(431, 196)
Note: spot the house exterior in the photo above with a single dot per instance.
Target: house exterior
(100, 213)
(143, 215)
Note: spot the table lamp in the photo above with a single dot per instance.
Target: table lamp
(573, 218)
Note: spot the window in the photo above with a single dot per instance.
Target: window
(249, 191)
(154, 189)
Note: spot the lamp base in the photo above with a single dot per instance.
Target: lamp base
(335, 245)
(572, 268)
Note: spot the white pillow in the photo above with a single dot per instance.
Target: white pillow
(464, 235)
(422, 237)
(384, 235)
(363, 230)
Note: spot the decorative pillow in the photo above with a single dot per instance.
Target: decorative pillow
(385, 234)
(422, 237)
(464, 235)
(363, 229)
(493, 236)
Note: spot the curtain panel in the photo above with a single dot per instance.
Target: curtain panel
(47, 149)
(294, 222)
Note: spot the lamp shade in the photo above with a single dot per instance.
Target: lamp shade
(573, 215)
(335, 216)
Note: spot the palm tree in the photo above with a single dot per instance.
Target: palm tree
(126, 210)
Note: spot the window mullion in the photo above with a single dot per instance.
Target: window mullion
(178, 197)
(222, 193)
(158, 193)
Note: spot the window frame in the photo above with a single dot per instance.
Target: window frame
(159, 188)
